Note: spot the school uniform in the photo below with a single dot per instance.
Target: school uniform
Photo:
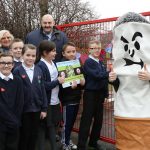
(17, 63)
(52, 88)
(96, 89)
(35, 102)
(11, 107)
(70, 100)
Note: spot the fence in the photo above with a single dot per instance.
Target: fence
(81, 33)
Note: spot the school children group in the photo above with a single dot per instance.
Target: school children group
(31, 96)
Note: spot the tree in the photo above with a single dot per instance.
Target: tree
(22, 16)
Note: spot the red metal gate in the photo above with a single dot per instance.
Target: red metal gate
(81, 33)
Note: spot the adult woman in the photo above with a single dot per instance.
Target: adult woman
(5, 40)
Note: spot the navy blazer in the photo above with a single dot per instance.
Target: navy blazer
(49, 85)
(34, 93)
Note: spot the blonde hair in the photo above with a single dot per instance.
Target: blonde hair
(94, 42)
(2, 32)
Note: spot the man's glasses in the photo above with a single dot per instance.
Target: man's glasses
(6, 63)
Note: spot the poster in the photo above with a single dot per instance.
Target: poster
(71, 70)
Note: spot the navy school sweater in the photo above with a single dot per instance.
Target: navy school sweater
(11, 103)
(35, 96)
(96, 76)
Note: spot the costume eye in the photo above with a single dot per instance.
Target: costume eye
(137, 45)
(126, 47)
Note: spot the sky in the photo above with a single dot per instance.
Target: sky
(116, 8)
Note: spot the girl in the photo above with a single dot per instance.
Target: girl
(47, 51)
(35, 103)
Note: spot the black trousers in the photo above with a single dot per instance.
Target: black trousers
(92, 109)
(69, 117)
(49, 125)
(29, 131)
(9, 140)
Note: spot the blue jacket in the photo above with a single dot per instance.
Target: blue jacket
(58, 37)
(49, 85)
(96, 76)
(34, 93)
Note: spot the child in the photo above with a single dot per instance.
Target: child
(70, 98)
(16, 49)
(47, 51)
(96, 86)
(35, 105)
(11, 104)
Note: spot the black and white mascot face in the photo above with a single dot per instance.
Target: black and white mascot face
(131, 50)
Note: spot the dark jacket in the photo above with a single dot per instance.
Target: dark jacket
(17, 64)
(4, 49)
(96, 76)
(11, 103)
(68, 95)
(58, 37)
(35, 95)
(49, 85)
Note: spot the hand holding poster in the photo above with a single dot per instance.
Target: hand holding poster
(71, 70)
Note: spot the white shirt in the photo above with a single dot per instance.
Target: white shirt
(18, 60)
(54, 74)
(97, 60)
(29, 71)
(6, 77)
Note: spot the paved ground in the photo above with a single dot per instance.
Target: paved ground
(103, 145)
(107, 129)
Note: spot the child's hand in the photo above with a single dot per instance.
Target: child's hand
(74, 84)
(43, 115)
(61, 79)
(144, 74)
(112, 75)
(82, 82)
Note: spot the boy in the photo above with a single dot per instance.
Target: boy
(70, 98)
(96, 86)
(11, 104)
(16, 49)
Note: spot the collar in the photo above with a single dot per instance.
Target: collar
(27, 68)
(96, 59)
(54, 31)
(18, 60)
(10, 76)
(46, 62)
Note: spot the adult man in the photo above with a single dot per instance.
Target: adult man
(48, 31)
